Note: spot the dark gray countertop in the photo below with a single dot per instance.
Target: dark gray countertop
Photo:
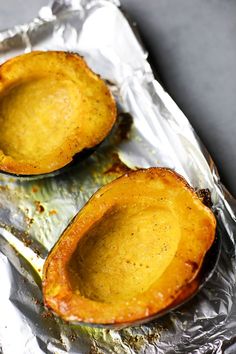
(192, 46)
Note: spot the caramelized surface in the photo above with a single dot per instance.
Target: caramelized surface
(51, 107)
(134, 249)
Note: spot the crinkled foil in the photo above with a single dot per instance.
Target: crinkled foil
(34, 213)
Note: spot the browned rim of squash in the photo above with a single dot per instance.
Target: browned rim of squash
(52, 107)
(176, 284)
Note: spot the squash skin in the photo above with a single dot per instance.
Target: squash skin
(77, 159)
(58, 291)
(89, 120)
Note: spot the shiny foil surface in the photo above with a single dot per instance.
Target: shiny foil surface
(151, 131)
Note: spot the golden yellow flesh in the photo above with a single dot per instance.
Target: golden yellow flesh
(52, 107)
(117, 260)
(134, 249)
(37, 116)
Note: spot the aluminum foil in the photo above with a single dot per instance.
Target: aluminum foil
(34, 213)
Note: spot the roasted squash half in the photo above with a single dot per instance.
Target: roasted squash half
(135, 249)
(52, 107)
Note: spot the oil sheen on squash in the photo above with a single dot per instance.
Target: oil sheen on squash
(52, 106)
(134, 249)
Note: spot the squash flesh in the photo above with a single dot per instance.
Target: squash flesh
(86, 276)
(120, 233)
(52, 106)
(25, 129)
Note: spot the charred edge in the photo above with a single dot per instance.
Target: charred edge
(193, 265)
(109, 83)
(71, 53)
(205, 196)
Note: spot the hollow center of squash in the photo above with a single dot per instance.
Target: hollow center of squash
(37, 116)
(125, 253)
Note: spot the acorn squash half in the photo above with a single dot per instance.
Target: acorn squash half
(133, 250)
(52, 107)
